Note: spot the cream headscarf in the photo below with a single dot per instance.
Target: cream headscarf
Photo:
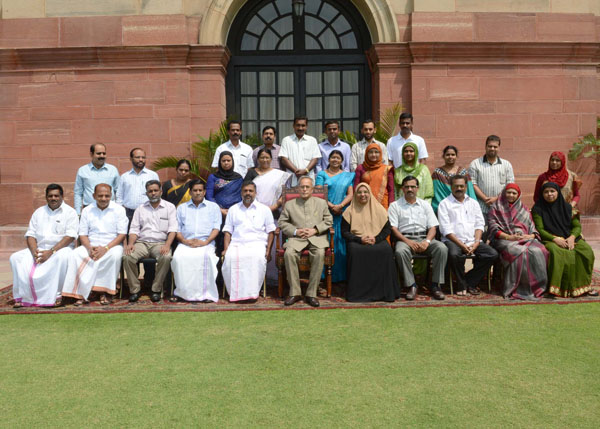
(365, 219)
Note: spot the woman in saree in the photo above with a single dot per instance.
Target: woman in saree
(513, 235)
(177, 190)
(224, 188)
(412, 167)
(371, 269)
(376, 174)
(558, 173)
(339, 184)
(441, 177)
(269, 181)
(571, 259)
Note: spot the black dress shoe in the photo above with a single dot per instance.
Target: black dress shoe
(474, 290)
(291, 300)
(155, 297)
(438, 294)
(134, 297)
(412, 293)
(312, 301)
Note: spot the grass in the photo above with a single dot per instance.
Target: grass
(531, 366)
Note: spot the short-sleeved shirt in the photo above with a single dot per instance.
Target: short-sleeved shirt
(151, 224)
(249, 224)
(358, 153)
(103, 226)
(326, 148)
(132, 188)
(88, 176)
(242, 156)
(396, 143)
(49, 226)
(412, 218)
(490, 178)
(300, 152)
(460, 219)
(274, 155)
(196, 222)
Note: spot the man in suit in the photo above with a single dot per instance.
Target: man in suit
(305, 221)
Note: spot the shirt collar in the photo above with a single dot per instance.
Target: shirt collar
(231, 146)
(58, 209)
(454, 200)
(191, 203)
(498, 160)
(406, 203)
(338, 143)
(144, 171)
(160, 204)
(252, 206)
(93, 167)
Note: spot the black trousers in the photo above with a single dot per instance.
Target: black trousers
(485, 256)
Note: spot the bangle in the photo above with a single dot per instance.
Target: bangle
(53, 251)
(307, 172)
(107, 248)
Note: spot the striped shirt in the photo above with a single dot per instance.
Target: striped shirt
(490, 178)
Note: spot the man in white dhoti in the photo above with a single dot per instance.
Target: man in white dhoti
(194, 262)
(40, 270)
(248, 232)
(102, 229)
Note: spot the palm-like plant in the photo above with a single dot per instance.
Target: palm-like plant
(202, 153)
(388, 121)
(588, 146)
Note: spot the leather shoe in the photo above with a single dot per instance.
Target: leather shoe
(438, 294)
(134, 297)
(155, 297)
(474, 290)
(312, 301)
(412, 293)
(291, 300)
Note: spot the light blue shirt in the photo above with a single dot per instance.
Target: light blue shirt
(88, 177)
(326, 148)
(197, 222)
(132, 188)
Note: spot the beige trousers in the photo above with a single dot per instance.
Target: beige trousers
(142, 250)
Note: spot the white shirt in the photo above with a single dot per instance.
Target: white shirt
(49, 226)
(300, 153)
(132, 189)
(460, 219)
(103, 226)
(411, 218)
(396, 143)
(242, 156)
(197, 222)
(249, 224)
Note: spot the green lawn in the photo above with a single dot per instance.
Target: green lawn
(534, 366)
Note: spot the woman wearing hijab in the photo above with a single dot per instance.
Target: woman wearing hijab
(371, 269)
(513, 235)
(558, 173)
(571, 258)
(412, 167)
(376, 174)
(224, 186)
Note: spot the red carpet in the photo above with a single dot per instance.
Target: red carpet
(272, 302)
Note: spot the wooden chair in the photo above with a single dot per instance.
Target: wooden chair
(304, 265)
(415, 256)
(489, 275)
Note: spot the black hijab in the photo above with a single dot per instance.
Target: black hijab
(557, 215)
(229, 175)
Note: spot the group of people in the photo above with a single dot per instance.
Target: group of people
(390, 217)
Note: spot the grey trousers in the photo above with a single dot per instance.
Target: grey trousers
(142, 250)
(316, 257)
(439, 257)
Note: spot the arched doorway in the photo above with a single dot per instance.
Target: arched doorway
(283, 65)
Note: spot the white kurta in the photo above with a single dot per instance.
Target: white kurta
(41, 284)
(195, 272)
(245, 262)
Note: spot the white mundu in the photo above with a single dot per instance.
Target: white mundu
(245, 262)
(101, 227)
(195, 268)
(41, 284)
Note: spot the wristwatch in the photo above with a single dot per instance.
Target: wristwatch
(428, 241)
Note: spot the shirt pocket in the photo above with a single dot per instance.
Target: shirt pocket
(59, 228)
(163, 224)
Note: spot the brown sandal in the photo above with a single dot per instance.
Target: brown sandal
(78, 302)
(17, 305)
(104, 300)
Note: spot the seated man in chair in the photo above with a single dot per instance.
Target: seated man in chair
(248, 233)
(305, 221)
(461, 226)
(153, 229)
